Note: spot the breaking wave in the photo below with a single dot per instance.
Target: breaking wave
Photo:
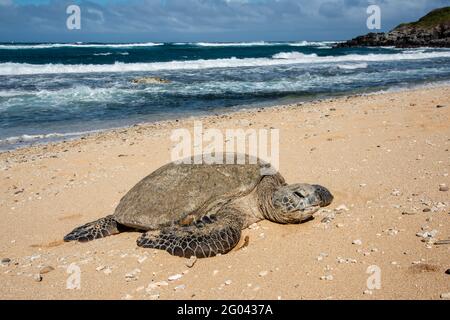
(353, 66)
(282, 58)
(76, 45)
(28, 138)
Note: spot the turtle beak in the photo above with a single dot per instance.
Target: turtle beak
(312, 196)
(309, 211)
(323, 194)
(305, 214)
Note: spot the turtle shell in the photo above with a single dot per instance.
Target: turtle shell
(175, 191)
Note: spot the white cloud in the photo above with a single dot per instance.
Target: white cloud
(216, 20)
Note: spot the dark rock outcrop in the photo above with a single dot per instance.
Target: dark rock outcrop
(432, 30)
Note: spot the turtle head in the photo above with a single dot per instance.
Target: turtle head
(296, 203)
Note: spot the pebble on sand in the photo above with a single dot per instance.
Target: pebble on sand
(191, 262)
(46, 269)
(154, 296)
(37, 278)
(342, 207)
(35, 257)
(155, 285)
(409, 213)
(427, 234)
(263, 273)
(327, 278)
(142, 259)
(445, 295)
(228, 282)
(6, 261)
(133, 275)
(327, 219)
(357, 242)
(180, 287)
(130, 277)
(254, 226)
(175, 277)
(321, 256)
(346, 260)
(443, 187)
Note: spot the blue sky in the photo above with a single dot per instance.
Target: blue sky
(201, 20)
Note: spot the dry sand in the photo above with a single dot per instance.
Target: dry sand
(381, 155)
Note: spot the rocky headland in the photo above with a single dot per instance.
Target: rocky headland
(432, 30)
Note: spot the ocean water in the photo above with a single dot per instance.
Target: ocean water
(56, 91)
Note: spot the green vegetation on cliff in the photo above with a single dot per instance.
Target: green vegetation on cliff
(431, 20)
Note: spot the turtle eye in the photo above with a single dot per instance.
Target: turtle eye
(298, 194)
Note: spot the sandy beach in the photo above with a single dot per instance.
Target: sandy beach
(385, 157)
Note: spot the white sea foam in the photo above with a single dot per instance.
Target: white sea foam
(103, 54)
(314, 58)
(321, 44)
(81, 45)
(282, 58)
(353, 66)
(27, 138)
(233, 44)
(258, 43)
(13, 93)
(59, 100)
(111, 53)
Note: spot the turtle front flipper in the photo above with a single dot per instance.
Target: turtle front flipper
(100, 228)
(206, 237)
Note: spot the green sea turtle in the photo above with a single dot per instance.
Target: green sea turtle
(200, 209)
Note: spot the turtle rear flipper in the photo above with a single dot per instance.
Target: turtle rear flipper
(100, 228)
(206, 237)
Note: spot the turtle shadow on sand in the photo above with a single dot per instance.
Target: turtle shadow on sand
(200, 209)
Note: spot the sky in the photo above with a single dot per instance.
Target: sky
(201, 20)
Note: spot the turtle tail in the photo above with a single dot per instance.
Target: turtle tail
(207, 237)
(97, 229)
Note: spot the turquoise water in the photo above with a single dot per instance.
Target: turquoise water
(50, 91)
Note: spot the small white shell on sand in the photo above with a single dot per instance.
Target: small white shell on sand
(175, 277)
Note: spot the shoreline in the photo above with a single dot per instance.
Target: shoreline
(65, 137)
(383, 156)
